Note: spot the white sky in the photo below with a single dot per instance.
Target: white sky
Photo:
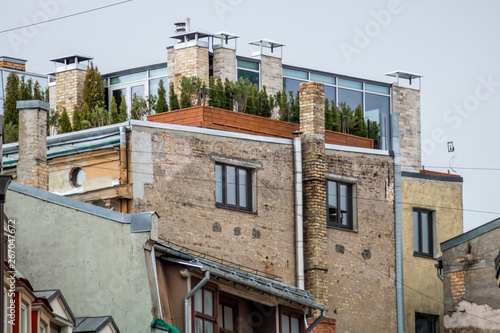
(451, 43)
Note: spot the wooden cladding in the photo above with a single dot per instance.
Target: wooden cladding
(226, 120)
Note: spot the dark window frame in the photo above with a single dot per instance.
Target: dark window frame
(249, 192)
(433, 320)
(215, 305)
(291, 313)
(350, 207)
(418, 248)
(233, 304)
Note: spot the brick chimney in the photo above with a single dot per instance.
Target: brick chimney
(189, 57)
(312, 128)
(70, 77)
(32, 167)
(13, 63)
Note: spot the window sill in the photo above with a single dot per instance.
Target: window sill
(341, 228)
(423, 255)
(234, 209)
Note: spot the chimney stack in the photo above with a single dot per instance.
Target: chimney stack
(32, 167)
(312, 128)
(13, 63)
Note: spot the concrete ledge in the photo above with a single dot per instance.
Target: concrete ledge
(33, 104)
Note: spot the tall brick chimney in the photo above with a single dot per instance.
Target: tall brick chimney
(271, 71)
(312, 128)
(70, 77)
(189, 57)
(32, 167)
(13, 63)
(224, 62)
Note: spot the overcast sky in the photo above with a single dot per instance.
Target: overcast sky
(453, 44)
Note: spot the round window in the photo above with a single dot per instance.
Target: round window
(78, 177)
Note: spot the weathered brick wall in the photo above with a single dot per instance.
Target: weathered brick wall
(69, 90)
(312, 130)
(188, 62)
(271, 72)
(361, 264)
(327, 325)
(13, 65)
(406, 103)
(181, 188)
(225, 64)
(32, 168)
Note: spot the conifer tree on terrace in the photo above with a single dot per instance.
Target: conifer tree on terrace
(93, 88)
(161, 104)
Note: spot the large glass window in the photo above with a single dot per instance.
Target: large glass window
(295, 73)
(117, 94)
(423, 244)
(154, 83)
(352, 98)
(340, 207)
(128, 78)
(253, 77)
(376, 105)
(233, 187)
(249, 70)
(291, 85)
(138, 91)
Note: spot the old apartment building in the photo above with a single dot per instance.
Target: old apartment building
(357, 227)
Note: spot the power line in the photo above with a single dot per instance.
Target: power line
(64, 17)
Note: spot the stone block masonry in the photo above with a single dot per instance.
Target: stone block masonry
(188, 62)
(225, 64)
(32, 168)
(69, 90)
(312, 128)
(271, 73)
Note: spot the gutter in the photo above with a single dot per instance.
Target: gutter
(398, 220)
(188, 296)
(297, 153)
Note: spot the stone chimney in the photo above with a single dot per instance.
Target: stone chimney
(224, 61)
(406, 103)
(70, 77)
(271, 70)
(32, 167)
(189, 57)
(312, 128)
(13, 63)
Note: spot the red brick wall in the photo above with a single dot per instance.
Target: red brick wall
(327, 325)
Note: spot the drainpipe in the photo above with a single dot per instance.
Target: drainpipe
(188, 296)
(123, 164)
(398, 217)
(153, 259)
(297, 153)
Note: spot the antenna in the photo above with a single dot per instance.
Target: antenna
(451, 149)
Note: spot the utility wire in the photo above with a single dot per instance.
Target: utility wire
(64, 17)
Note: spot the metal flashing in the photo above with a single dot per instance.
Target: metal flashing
(93, 324)
(357, 149)
(210, 131)
(418, 175)
(53, 294)
(33, 104)
(492, 225)
(258, 282)
(139, 221)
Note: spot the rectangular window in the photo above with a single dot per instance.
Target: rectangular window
(340, 207)
(233, 187)
(290, 321)
(422, 233)
(426, 323)
(228, 312)
(205, 312)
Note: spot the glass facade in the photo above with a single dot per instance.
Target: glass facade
(141, 83)
(249, 70)
(4, 74)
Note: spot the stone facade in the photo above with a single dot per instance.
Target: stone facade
(225, 64)
(312, 128)
(471, 293)
(69, 90)
(32, 167)
(271, 72)
(188, 62)
(406, 103)
(442, 196)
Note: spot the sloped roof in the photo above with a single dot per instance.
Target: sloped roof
(255, 281)
(93, 324)
(470, 234)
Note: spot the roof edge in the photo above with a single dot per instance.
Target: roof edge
(492, 225)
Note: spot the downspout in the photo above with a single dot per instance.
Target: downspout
(398, 219)
(123, 165)
(297, 153)
(153, 259)
(316, 322)
(188, 296)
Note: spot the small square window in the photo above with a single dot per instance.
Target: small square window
(339, 204)
(426, 323)
(233, 187)
(423, 242)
